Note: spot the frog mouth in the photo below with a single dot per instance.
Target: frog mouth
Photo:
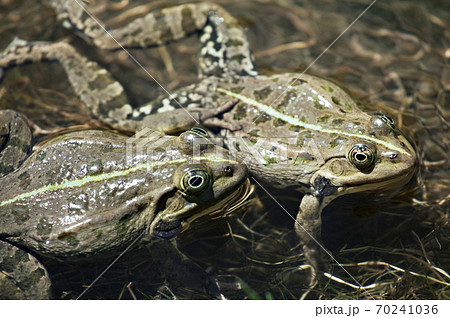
(166, 230)
(226, 206)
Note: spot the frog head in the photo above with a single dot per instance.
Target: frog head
(202, 185)
(381, 160)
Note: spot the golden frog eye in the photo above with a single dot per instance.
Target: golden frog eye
(361, 156)
(195, 181)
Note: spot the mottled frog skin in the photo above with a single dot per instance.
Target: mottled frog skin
(90, 194)
(292, 130)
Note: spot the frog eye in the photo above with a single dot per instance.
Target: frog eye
(388, 120)
(199, 132)
(381, 124)
(193, 138)
(195, 181)
(361, 156)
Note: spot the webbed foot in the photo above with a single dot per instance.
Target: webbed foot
(319, 259)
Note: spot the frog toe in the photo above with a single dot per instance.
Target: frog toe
(319, 259)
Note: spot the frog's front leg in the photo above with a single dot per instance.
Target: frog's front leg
(15, 141)
(308, 227)
(95, 86)
(308, 224)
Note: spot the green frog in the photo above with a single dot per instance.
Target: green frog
(90, 194)
(292, 130)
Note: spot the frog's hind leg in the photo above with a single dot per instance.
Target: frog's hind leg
(94, 85)
(22, 276)
(224, 47)
(15, 141)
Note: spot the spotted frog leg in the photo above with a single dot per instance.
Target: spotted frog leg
(308, 227)
(95, 86)
(22, 276)
(15, 141)
(224, 49)
(103, 95)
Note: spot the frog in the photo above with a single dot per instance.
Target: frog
(293, 130)
(90, 194)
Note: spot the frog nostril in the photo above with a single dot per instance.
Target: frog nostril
(228, 170)
(393, 156)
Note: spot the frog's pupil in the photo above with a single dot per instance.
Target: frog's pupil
(195, 182)
(360, 157)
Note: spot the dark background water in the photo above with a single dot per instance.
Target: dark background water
(395, 58)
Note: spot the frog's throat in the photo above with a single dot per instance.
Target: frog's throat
(295, 121)
(106, 176)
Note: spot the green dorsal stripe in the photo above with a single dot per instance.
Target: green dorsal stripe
(296, 122)
(105, 176)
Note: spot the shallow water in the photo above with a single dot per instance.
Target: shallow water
(395, 57)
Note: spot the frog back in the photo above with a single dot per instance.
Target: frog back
(76, 192)
(291, 125)
(289, 106)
